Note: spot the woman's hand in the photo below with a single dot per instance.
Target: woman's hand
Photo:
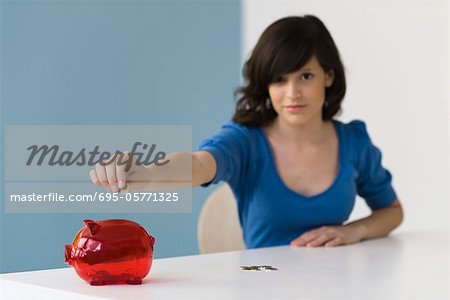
(329, 236)
(115, 173)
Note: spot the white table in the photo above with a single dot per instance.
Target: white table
(402, 266)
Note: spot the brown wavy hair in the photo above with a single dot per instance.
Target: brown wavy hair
(284, 47)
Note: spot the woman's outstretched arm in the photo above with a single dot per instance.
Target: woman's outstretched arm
(182, 170)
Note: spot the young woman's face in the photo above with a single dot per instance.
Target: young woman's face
(298, 97)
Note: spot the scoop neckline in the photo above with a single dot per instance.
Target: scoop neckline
(280, 181)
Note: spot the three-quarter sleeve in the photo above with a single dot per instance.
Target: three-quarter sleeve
(374, 182)
(230, 148)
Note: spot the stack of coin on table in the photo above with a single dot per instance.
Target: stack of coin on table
(258, 268)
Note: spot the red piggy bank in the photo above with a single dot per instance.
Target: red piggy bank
(111, 252)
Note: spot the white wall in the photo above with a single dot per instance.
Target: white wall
(396, 58)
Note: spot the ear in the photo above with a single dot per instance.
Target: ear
(329, 78)
(92, 226)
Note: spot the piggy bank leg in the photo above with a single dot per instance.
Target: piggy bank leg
(134, 281)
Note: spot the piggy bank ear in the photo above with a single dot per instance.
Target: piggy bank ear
(152, 239)
(92, 226)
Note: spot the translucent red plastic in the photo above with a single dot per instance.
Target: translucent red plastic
(111, 252)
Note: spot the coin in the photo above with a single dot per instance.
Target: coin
(124, 190)
(258, 268)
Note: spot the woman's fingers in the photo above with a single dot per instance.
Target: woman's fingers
(110, 168)
(94, 177)
(335, 242)
(123, 168)
(323, 236)
(320, 240)
(113, 173)
(306, 237)
(101, 175)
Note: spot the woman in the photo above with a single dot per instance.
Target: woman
(294, 170)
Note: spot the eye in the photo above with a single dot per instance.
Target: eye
(306, 76)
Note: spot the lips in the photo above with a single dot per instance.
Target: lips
(295, 105)
(293, 108)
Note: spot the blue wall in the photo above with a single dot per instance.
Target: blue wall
(113, 62)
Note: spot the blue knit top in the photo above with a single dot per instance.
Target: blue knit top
(270, 213)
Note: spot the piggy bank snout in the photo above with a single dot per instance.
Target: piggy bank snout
(68, 254)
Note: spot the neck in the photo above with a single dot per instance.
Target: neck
(312, 132)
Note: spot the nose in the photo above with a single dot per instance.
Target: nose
(293, 90)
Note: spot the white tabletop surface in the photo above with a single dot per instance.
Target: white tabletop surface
(402, 266)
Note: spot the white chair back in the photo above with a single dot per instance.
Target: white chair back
(218, 228)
